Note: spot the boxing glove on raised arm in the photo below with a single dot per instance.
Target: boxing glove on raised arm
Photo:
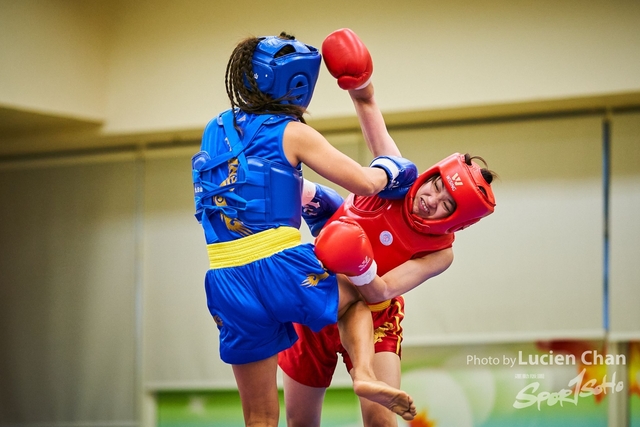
(347, 59)
(343, 247)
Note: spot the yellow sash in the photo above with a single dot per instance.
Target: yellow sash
(253, 247)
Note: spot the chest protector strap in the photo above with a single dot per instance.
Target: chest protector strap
(244, 195)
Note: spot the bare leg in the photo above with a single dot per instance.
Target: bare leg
(259, 392)
(303, 403)
(356, 333)
(387, 368)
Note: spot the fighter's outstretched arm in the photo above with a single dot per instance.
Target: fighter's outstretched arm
(349, 61)
(344, 247)
(407, 276)
(374, 128)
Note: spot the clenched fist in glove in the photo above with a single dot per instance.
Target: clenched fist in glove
(347, 59)
(343, 247)
(401, 174)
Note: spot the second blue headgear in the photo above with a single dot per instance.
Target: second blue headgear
(293, 75)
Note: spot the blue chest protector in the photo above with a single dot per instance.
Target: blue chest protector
(241, 185)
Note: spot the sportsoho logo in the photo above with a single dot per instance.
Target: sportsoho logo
(454, 181)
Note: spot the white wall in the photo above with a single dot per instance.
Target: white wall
(55, 57)
(68, 280)
(624, 231)
(135, 264)
(427, 55)
(158, 66)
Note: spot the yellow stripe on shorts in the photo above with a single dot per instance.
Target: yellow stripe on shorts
(253, 247)
(380, 306)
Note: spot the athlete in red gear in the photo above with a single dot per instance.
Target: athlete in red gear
(408, 240)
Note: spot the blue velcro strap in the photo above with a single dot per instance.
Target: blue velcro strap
(205, 190)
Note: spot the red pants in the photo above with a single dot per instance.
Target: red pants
(313, 358)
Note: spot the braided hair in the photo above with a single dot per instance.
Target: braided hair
(250, 99)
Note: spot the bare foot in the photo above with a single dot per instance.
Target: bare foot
(391, 398)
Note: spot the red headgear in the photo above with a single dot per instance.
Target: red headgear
(463, 181)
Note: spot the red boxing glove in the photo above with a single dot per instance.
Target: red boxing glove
(343, 247)
(347, 59)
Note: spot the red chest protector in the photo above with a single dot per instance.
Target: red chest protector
(393, 239)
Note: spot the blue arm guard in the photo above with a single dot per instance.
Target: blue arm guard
(324, 204)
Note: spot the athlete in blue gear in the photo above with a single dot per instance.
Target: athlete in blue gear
(247, 184)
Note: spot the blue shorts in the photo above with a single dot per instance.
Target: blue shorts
(254, 305)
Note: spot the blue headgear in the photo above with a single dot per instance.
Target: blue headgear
(294, 74)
